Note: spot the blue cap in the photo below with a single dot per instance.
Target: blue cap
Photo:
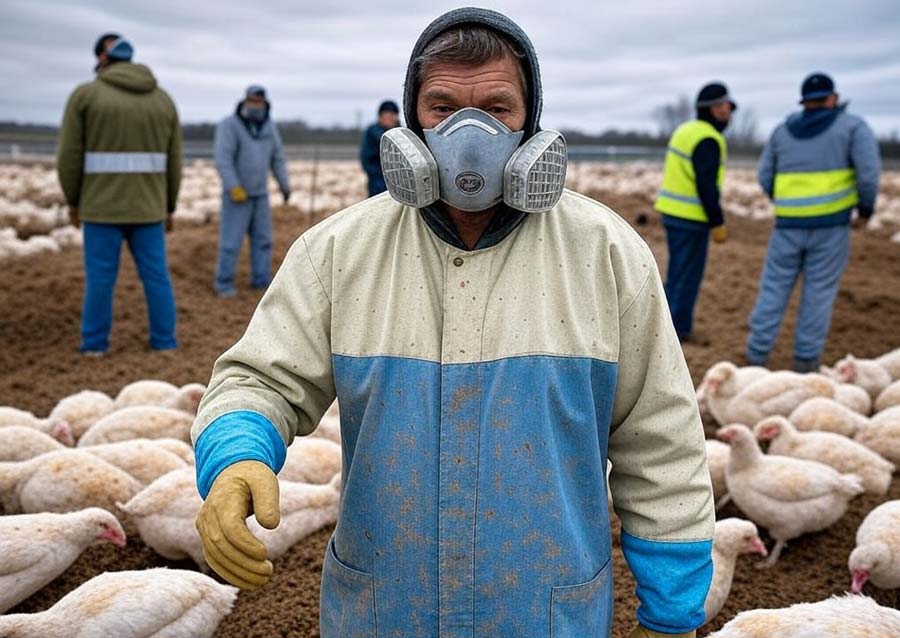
(120, 49)
(816, 87)
(255, 90)
(388, 106)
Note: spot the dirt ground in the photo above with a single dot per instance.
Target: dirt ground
(40, 301)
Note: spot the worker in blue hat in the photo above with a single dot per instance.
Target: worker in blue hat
(369, 155)
(247, 145)
(818, 166)
(689, 200)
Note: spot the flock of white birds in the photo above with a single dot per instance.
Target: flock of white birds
(831, 436)
(34, 219)
(98, 469)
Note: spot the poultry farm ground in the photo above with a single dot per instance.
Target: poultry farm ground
(40, 300)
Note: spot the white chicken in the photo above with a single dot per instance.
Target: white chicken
(889, 397)
(140, 422)
(311, 460)
(733, 537)
(882, 434)
(891, 363)
(161, 394)
(722, 382)
(143, 459)
(777, 393)
(848, 616)
(57, 428)
(152, 603)
(717, 455)
(82, 410)
(827, 415)
(36, 548)
(63, 481)
(868, 374)
(853, 397)
(164, 514)
(876, 557)
(789, 497)
(844, 455)
(20, 443)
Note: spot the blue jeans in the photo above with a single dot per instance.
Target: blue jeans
(102, 248)
(820, 255)
(687, 260)
(252, 217)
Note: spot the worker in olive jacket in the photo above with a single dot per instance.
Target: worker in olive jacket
(119, 165)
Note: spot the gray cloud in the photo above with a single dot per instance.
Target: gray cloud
(604, 64)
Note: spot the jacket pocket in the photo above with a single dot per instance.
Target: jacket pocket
(585, 610)
(347, 604)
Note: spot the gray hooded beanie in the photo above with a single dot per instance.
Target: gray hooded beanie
(469, 16)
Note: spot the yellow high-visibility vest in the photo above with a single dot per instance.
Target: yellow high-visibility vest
(678, 196)
(816, 193)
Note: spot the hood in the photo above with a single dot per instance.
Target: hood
(486, 18)
(136, 78)
(811, 122)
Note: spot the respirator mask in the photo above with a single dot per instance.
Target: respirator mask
(472, 161)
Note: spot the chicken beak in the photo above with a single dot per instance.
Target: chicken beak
(860, 576)
(113, 536)
(758, 547)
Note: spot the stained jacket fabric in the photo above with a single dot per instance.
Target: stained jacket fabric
(244, 155)
(119, 155)
(817, 141)
(481, 393)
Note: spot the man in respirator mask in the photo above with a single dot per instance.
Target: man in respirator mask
(491, 340)
(246, 146)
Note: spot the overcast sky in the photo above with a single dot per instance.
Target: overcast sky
(605, 64)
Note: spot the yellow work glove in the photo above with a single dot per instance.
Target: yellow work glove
(230, 549)
(719, 234)
(642, 632)
(238, 194)
(73, 217)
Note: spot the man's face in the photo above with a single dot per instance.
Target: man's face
(255, 101)
(388, 119)
(494, 87)
(721, 111)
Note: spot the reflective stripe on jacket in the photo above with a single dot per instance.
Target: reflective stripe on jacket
(678, 196)
(816, 193)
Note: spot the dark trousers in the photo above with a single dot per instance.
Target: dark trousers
(688, 248)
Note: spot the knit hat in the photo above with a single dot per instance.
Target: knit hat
(472, 16)
(120, 50)
(388, 106)
(255, 90)
(712, 94)
(815, 87)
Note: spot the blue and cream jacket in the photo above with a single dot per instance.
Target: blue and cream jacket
(481, 393)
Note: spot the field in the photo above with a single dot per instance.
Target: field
(41, 295)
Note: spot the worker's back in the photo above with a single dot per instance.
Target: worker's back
(129, 163)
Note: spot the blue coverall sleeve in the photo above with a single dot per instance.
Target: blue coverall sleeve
(765, 172)
(866, 160)
(279, 166)
(225, 146)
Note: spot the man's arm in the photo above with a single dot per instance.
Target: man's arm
(706, 159)
(70, 154)
(173, 164)
(273, 384)
(866, 160)
(279, 166)
(224, 151)
(765, 172)
(660, 482)
(370, 152)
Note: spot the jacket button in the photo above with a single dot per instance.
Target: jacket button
(459, 261)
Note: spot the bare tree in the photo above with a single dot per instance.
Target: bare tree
(669, 116)
(743, 130)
